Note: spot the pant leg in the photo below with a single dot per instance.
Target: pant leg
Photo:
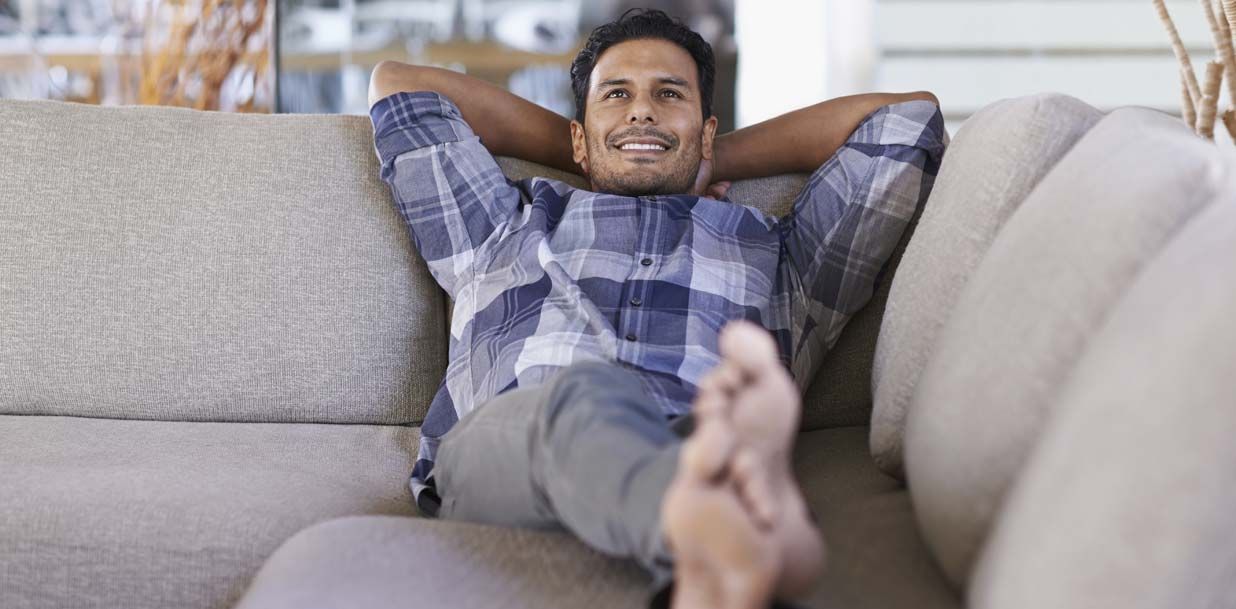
(483, 468)
(587, 450)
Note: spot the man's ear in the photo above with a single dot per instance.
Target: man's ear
(707, 137)
(579, 146)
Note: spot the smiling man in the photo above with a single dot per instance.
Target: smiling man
(627, 361)
(660, 152)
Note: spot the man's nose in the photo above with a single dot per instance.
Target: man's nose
(641, 112)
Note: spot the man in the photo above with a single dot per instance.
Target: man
(586, 322)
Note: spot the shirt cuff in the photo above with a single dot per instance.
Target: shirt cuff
(409, 120)
(916, 123)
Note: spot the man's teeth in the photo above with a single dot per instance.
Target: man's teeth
(643, 147)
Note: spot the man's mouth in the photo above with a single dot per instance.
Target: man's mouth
(642, 146)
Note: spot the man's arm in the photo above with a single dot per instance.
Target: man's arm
(507, 124)
(798, 141)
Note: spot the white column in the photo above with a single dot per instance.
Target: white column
(852, 53)
(794, 53)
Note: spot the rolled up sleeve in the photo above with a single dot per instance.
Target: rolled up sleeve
(850, 216)
(446, 185)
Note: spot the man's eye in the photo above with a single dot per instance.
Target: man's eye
(675, 93)
(611, 93)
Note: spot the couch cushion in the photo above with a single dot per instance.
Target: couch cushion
(1129, 499)
(137, 514)
(167, 263)
(998, 156)
(877, 560)
(1023, 320)
(839, 394)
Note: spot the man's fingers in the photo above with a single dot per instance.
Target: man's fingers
(702, 179)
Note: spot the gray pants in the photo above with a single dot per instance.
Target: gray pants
(587, 450)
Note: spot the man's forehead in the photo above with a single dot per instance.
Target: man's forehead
(644, 61)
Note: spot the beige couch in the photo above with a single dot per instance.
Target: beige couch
(216, 342)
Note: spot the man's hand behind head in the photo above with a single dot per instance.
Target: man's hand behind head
(704, 187)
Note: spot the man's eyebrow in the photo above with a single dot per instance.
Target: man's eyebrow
(671, 80)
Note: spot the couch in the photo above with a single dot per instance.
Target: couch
(217, 342)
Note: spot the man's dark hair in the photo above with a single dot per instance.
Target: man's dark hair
(643, 25)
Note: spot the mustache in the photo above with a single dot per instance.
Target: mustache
(643, 132)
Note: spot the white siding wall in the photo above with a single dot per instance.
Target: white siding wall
(970, 53)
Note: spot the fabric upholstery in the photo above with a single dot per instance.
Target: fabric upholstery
(998, 156)
(162, 308)
(167, 263)
(1022, 321)
(372, 562)
(1129, 500)
(876, 558)
(150, 514)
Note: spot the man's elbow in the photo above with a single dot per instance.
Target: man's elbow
(390, 77)
(923, 96)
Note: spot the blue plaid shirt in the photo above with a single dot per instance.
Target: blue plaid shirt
(544, 275)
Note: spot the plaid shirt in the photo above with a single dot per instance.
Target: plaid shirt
(544, 275)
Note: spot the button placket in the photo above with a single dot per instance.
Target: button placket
(631, 319)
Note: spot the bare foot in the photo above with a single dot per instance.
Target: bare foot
(722, 560)
(753, 390)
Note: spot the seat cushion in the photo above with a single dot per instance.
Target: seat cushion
(876, 558)
(1129, 499)
(998, 156)
(174, 264)
(146, 514)
(1051, 277)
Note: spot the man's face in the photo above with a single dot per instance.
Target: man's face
(643, 130)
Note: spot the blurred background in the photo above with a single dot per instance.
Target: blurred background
(314, 56)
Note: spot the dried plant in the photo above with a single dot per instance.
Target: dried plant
(1200, 103)
(206, 41)
(1210, 100)
(1221, 31)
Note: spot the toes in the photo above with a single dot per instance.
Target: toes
(727, 378)
(750, 347)
(706, 453)
(751, 479)
(709, 401)
(717, 389)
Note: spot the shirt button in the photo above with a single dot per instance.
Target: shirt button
(635, 302)
(646, 262)
(631, 337)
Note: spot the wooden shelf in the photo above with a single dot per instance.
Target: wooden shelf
(485, 57)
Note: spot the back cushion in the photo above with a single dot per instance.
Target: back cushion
(1129, 498)
(166, 263)
(999, 155)
(1023, 320)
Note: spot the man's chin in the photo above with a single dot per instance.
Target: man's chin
(636, 187)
